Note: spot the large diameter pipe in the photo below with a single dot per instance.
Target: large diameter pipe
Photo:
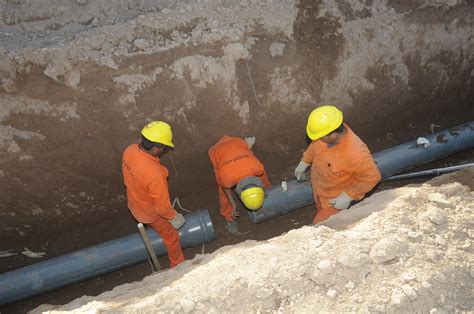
(97, 260)
(409, 155)
(391, 161)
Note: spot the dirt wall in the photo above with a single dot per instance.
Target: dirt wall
(80, 79)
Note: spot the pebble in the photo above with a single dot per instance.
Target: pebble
(408, 277)
(384, 250)
(409, 292)
(440, 240)
(331, 293)
(349, 285)
(187, 305)
(436, 215)
(439, 199)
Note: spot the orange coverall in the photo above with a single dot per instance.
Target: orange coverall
(148, 197)
(345, 167)
(232, 161)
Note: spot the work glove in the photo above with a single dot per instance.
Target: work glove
(250, 141)
(343, 201)
(300, 170)
(178, 221)
(235, 213)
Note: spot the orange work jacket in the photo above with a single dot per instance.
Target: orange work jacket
(233, 160)
(345, 167)
(147, 186)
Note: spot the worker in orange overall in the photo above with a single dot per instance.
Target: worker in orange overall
(235, 165)
(146, 182)
(342, 168)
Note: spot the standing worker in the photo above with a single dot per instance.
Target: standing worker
(342, 168)
(235, 165)
(147, 186)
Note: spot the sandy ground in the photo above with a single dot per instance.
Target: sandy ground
(412, 253)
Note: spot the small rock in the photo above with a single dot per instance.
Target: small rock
(408, 277)
(349, 285)
(264, 293)
(331, 293)
(384, 250)
(81, 2)
(72, 78)
(409, 292)
(276, 49)
(415, 235)
(325, 266)
(470, 233)
(439, 199)
(440, 240)
(26, 158)
(141, 43)
(435, 215)
(13, 148)
(187, 305)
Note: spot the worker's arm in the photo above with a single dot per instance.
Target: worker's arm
(158, 191)
(300, 171)
(230, 197)
(308, 155)
(366, 173)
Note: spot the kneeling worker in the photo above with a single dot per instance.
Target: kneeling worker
(147, 186)
(235, 165)
(342, 168)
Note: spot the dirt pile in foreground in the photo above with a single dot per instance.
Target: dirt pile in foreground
(412, 254)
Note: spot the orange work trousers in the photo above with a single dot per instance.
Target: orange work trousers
(324, 210)
(170, 238)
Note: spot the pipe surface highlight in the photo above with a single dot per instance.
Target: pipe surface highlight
(390, 161)
(97, 260)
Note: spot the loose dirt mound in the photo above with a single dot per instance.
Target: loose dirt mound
(412, 254)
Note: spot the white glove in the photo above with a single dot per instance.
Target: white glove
(343, 201)
(250, 141)
(178, 221)
(300, 170)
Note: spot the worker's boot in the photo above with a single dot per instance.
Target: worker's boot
(232, 227)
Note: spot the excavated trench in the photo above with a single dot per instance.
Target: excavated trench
(61, 183)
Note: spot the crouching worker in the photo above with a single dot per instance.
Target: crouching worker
(342, 168)
(146, 183)
(235, 165)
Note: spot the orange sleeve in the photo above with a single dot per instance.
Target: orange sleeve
(308, 155)
(366, 174)
(158, 191)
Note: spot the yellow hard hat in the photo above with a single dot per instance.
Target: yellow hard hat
(158, 132)
(253, 198)
(322, 121)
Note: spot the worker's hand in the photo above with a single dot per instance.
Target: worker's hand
(300, 171)
(178, 221)
(235, 213)
(250, 141)
(343, 201)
